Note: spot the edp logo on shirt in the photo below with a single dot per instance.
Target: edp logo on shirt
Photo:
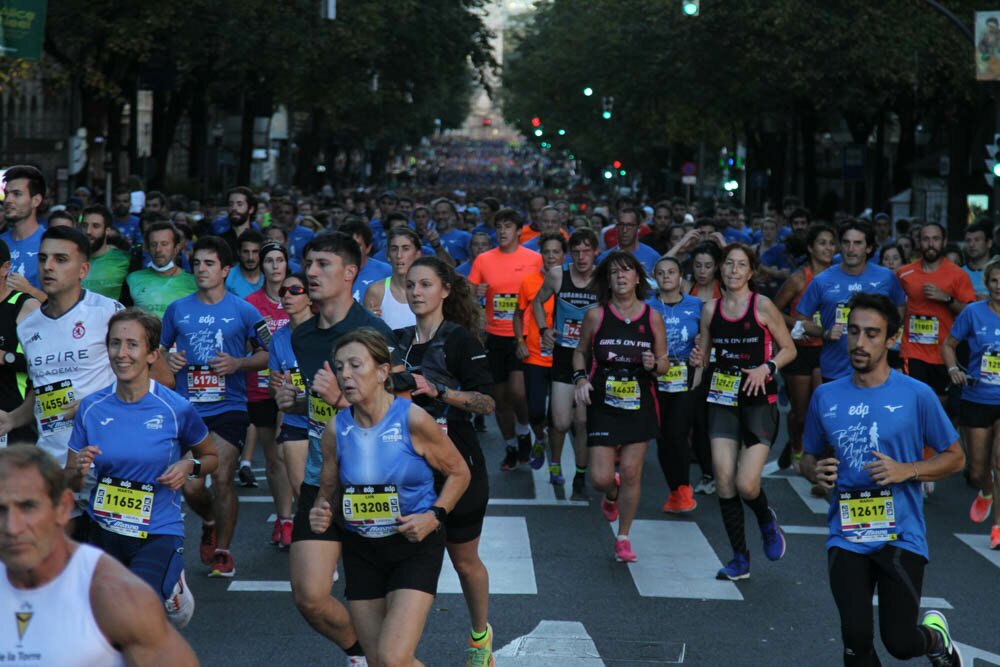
(859, 410)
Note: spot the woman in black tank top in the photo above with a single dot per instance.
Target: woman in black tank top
(624, 343)
(743, 327)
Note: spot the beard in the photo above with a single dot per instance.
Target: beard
(238, 220)
(931, 254)
(98, 243)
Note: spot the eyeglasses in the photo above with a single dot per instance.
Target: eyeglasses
(294, 290)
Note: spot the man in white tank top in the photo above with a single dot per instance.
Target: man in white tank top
(64, 603)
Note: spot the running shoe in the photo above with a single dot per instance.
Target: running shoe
(479, 423)
(981, 507)
(705, 485)
(774, 539)
(286, 534)
(180, 605)
(579, 487)
(995, 537)
(623, 551)
(357, 661)
(509, 460)
(222, 565)
(247, 479)
(610, 507)
(948, 656)
(537, 457)
(207, 547)
(480, 654)
(524, 448)
(736, 569)
(681, 500)
(556, 477)
(276, 533)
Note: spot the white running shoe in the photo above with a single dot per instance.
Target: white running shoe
(180, 604)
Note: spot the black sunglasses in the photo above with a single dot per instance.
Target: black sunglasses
(294, 290)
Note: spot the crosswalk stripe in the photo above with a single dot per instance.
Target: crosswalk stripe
(506, 551)
(534, 502)
(676, 561)
(260, 587)
(802, 487)
(805, 530)
(552, 642)
(981, 544)
(926, 603)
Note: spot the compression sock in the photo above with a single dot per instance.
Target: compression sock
(732, 519)
(479, 636)
(355, 651)
(759, 507)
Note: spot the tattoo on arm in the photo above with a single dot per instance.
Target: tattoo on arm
(475, 402)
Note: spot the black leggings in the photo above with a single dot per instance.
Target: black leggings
(536, 388)
(899, 576)
(699, 432)
(673, 447)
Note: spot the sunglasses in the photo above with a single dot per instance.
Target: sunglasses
(294, 290)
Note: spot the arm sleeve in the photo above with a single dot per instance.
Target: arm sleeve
(466, 361)
(192, 429)
(813, 435)
(168, 334)
(809, 302)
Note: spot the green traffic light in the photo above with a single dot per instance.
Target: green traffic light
(996, 169)
(607, 174)
(690, 7)
(622, 172)
(588, 91)
(539, 132)
(562, 132)
(606, 115)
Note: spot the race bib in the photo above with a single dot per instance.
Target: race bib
(622, 394)
(989, 369)
(842, 313)
(123, 506)
(868, 516)
(504, 306)
(674, 380)
(205, 386)
(297, 381)
(320, 412)
(570, 333)
(818, 319)
(923, 330)
(263, 377)
(50, 404)
(372, 509)
(724, 388)
(443, 423)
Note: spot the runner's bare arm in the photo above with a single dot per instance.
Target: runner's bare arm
(131, 616)
(550, 286)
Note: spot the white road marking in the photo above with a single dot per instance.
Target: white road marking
(981, 544)
(675, 561)
(801, 486)
(532, 502)
(805, 530)
(552, 643)
(506, 551)
(260, 587)
(256, 499)
(926, 603)
(971, 654)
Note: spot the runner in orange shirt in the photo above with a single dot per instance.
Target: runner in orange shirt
(936, 292)
(497, 275)
(537, 360)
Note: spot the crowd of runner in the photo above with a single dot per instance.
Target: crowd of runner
(360, 341)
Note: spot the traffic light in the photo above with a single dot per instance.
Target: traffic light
(617, 164)
(608, 174)
(608, 103)
(536, 121)
(561, 132)
(588, 91)
(539, 132)
(731, 185)
(691, 7)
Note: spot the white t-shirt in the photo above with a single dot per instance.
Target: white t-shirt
(67, 361)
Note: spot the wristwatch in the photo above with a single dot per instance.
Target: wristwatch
(196, 470)
(772, 367)
(441, 390)
(441, 514)
(950, 300)
(9, 357)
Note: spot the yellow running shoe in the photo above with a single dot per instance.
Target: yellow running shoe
(480, 654)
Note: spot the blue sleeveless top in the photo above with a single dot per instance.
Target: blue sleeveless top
(381, 475)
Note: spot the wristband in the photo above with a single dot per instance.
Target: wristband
(954, 368)
(916, 475)
(441, 514)
(579, 375)
(950, 300)
(772, 367)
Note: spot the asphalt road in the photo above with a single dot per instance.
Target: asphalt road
(558, 598)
